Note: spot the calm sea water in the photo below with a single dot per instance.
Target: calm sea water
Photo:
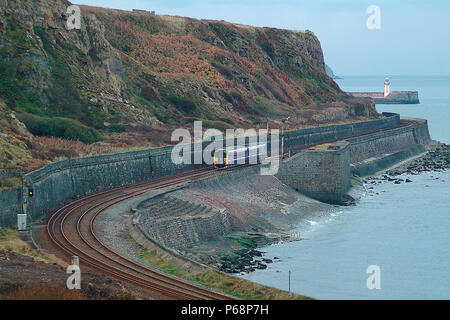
(404, 229)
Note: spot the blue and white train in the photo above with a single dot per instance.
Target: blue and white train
(223, 158)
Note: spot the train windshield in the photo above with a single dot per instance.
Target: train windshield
(220, 156)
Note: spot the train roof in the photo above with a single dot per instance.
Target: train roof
(242, 148)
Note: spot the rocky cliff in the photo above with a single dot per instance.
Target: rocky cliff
(141, 72)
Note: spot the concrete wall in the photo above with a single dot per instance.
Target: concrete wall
(399, 97)
(389, 141)
(310, 136)
(420, 130)
(367, 168)
(320, 174)
(396, 97)
(186, 232)
(11, 199)
(59, 183)
(10, 205)
(325, 174)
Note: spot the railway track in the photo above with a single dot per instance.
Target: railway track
(72, 230)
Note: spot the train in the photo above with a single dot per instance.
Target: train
(224, 158)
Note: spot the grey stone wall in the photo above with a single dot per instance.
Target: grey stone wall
(10, 205)
(320, 174)
(185, 231)
(389, 141)
(363, 169)
(59, 183)
(310, 136)
(420, 131)
(325, 175)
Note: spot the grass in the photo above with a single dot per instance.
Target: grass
(239, 288)
(158, 262)
(11, 154)
(244, 242)
(10, 241)
(8, 183)
(40, 291)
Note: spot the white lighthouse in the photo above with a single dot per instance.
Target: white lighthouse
(386, 87)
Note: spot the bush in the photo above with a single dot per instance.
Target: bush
(60, 128)
(226, 120)
(117, 128)
(185, 105)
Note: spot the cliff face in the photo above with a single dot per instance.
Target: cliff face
(139, 68)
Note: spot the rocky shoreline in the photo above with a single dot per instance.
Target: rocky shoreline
(436, 160)
(244, 261)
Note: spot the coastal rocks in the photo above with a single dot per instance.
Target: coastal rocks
(244, 261)
(437, 160)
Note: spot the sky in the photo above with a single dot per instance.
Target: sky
(413, 38)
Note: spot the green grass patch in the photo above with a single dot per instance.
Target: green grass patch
(243, 241)
(208, 124)
(60, 128)
(185, 105)
(157, 261)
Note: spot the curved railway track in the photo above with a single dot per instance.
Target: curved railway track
(72, 230)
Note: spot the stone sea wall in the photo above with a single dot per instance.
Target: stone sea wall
(320, 174)
(324, 173)
(58, 183)
(10, 205)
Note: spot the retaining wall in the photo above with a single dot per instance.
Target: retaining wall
(316, 135)
(367, 168)
(59, 183)
(186, 232)
(325, 174)
(376, 144)
(320, 174)
(10, 205)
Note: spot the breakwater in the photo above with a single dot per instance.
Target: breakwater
(395, 97)
(59, 183)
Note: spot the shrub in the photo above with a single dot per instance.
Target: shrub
(60, 128)
(214, 124)
(185, 105)
(226, 120)
(116, 128)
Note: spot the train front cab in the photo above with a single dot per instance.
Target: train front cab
(220, 161)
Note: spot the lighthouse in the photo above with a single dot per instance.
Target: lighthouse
(386, 87)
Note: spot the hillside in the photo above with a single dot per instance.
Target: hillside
(127, 78)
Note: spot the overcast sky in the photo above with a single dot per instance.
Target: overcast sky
(414, 38)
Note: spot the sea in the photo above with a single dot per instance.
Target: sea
(395, 243)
